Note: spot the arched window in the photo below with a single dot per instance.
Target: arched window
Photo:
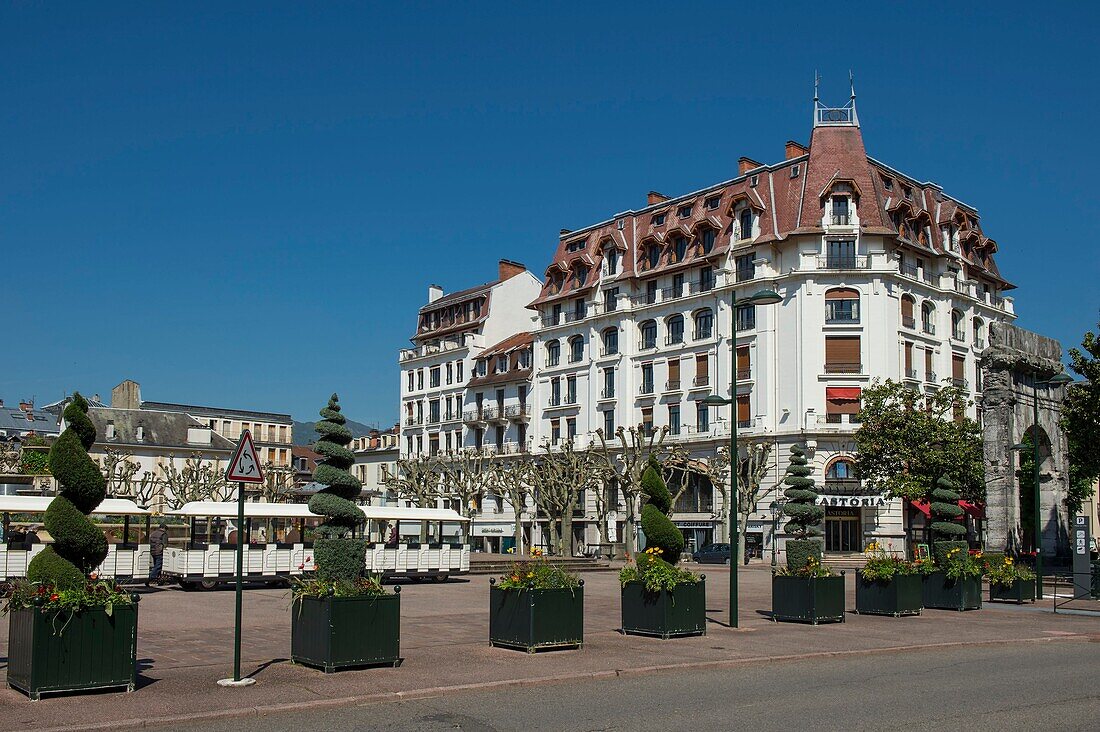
(842, 305)
(928, 318)
(704, 324)
(707, 238)
(907, 305)
(675, 325)
(576, 349)
(553, 353)
(958, 332)
(610, 338)
(679, 248)
(746, 223)
(979, 333)
(840, 474)
(648, 331)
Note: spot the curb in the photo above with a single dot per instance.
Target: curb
(436, 691)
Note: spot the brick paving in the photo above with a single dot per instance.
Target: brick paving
(185, 645)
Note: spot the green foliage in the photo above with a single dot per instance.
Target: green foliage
(338, 558)
(882, 566)
(944, 551)
(958, 563)
(1081, 422)
(313, 587)
(655, 573)
(945, 510)
(1004, 571)
(538, 574)
(907, 440)
(34, 462)
(801, 552)
(660, 532)
(86, 594)
(811, 568)
(78, 545)
(802, 510)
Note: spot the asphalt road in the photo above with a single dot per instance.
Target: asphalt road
(1026, 686)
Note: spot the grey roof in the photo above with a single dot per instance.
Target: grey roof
(14, 420)
(216, 411)
(162, 429)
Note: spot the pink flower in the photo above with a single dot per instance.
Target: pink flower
(301, 566)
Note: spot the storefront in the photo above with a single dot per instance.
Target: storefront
(492, 536)
(697, 533)
(848, 519)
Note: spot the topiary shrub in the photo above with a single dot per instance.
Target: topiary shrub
(79, 546)
(660, 532)
(805, 515)
(946, 512)
(338, 558)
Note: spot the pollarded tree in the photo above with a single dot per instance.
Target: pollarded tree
(339, 558)
(78, 545)
(659, 530)
(626, 462)
(805, 515)
(947, 532)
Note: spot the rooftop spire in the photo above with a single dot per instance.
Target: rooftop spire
(836, 116)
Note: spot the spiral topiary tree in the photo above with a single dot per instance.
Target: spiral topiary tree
(659, 531)
(947, 532)
(805, 515)
(338, 557)
(78, 545)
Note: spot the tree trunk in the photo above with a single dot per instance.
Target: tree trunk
(567, 533)
(628, 528)
(605, 535)
(742, 528)
(519, 535)
(552, 527)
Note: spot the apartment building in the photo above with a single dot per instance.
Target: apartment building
(272, 433)
(880, 275)
(453, 330)
(375, 460)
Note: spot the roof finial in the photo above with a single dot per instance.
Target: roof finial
(852, 83)
(817, 80)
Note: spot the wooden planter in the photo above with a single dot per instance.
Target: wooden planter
(679, 612)
(943, 593)
(808, 599)
(897, 596)
(53, 651)
(1019, 592)
(533, 620)
(335, 633)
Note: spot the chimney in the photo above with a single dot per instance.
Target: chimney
(795, 149)
(507, 269)
(127, 395)
(655, 197)
(434, 293)
(26, 406)
(744, 165)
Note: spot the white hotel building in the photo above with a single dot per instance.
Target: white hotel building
(881, 276)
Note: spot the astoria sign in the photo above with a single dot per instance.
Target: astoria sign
(830, 501)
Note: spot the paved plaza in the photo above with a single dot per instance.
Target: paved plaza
(185, 645)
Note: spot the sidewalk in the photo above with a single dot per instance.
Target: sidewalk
(185, 645)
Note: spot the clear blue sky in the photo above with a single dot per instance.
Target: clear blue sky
(243, 206)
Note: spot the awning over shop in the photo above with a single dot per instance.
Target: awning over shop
(842, 393)
(976, 510)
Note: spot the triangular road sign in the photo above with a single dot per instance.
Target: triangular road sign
(245, 465)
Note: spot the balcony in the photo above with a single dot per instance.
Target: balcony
(570, 399)
(609, 351)
(909, 270)
(672, 385)
(496, 414)
(413, 421)
(607, 393)
(979, 344)
(697, 286)
(746, 424)
(843, 368)
(745, 274)
(844, 262)
(554, 401)
(700, 381)
(928, 277)
(551, 362)
(703, 335)
(674, 339)
(908, 321)
(649, 298)
(434, 347)
(962, 383)
(746, 323)
(549, 321)
(841, 220)
(672, 293)
(958, 335)
(911, 374)
(836, 421)
(647, 344)
(930, 377)
(518, 412)
(929, 328)
(744, 374)
(474, 416)
(645, 388)
(516, 448)
(842, 486)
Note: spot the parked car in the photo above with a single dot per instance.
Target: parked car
(713, 554)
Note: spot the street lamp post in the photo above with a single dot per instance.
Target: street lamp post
(763, 297)
(1059, 379)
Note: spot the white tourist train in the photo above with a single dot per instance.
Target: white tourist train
(127, 545)
(401, 542)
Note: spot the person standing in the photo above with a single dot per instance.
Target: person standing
(158, 540)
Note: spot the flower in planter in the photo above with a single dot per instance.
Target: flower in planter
(882, 566)
(1005, 572)
(812, 568)
(538, 574)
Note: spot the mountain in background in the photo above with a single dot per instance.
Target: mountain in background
(305, 435)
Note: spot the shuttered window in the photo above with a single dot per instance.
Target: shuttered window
(702, 369)
(929, 373)
(842, 400)
(744, 365)
(958, 367)
(908, 358)
(906, 307)
(744, 411)
(674, 373)
(842, 355)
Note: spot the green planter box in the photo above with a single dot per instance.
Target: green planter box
(897, 596)
(679, 612)
(334, 633)
(943, 593)
(93, 650)
(808, 599)
(1019, 592)
(533, 620)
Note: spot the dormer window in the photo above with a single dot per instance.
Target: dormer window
(110, 430)
(908, 193)
(575, 246)
(746, 223)
(753, 181)
(680, 247)
(684, 211)
(658, 219)
(653, 255)
(712, 202)
(611, 261)
(482, 368)
(795, 169)
(887, 183)
(580, 275)
(708, 237)
(840, 211)
(502, 364)
(140, 432)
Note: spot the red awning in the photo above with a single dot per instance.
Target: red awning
(842, 393)
(921, 506)
(977, 510)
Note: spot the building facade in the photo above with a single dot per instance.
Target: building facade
(375, 461)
